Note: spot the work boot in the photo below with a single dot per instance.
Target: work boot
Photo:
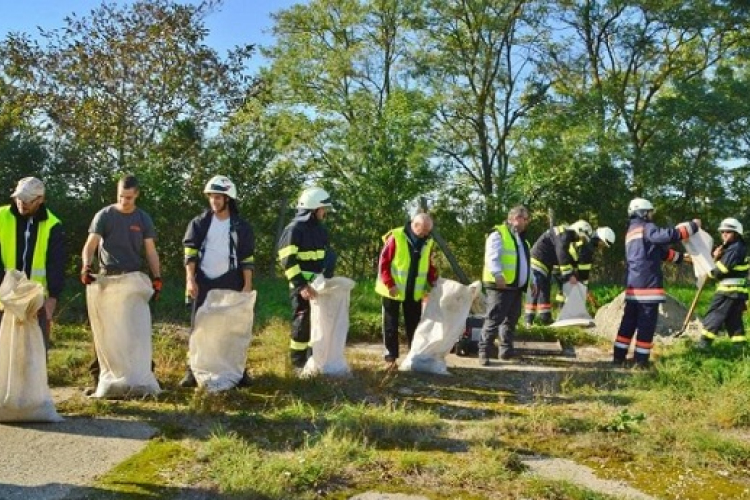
(506, 353)
(618, 363)
(483, 359)
(245, 381)
(189, 379)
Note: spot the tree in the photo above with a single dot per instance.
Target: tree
(338, 80)
(110, 83)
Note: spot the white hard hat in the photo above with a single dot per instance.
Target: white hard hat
(638, 206)
(314, 197)
(606, 234)
(221, 184)
(731, 224)
(583, 229)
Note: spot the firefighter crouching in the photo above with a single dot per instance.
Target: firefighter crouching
(552, 249)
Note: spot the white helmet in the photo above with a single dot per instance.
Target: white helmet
(639, 206)
(731, 224)
(606, 234)
(314, 197)
(582, 228)
(221, 184)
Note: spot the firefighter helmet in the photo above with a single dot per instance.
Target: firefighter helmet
(221, 184)
(639, 206)
(606, 235)
(314, 197)
(731, 224)
(582, 228)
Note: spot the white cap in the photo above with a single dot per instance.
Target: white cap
(28, 189)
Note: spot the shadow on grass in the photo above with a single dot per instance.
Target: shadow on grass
(144, 491)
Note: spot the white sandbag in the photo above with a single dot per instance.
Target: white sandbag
(573, 312)
(443, 320)
(219, 341)
(699, 246)
(329, 326)
(121, 323)
(24, 393)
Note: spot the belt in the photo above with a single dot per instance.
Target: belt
(112, 272)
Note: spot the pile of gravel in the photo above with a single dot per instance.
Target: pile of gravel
(671, 317)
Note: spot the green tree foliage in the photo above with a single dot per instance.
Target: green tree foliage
(338, 69)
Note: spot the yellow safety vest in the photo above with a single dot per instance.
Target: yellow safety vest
(508, 257)
(400, 267)
(8, 242)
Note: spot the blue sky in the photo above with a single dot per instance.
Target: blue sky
(239, 21)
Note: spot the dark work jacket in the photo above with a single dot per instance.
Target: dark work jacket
(646, 247)
(551, 249)
(244, 242)
(302, 248)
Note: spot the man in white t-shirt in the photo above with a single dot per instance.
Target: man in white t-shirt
(219, 252)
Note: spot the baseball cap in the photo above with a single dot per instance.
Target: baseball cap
(28, 188)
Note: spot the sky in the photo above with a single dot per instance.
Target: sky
(238, 21)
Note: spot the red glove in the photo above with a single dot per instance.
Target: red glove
(86, 277)
(156, 284)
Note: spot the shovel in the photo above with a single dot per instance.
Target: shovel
(701, 283)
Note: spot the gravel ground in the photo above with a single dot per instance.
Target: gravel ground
(52, 461)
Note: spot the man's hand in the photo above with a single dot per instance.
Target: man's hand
(308, 293)
(687, 259)
(573, 280)
(86, 277)
(499, 281)
(718, 252)
(156, 285)
(393, 291)
(191, 288)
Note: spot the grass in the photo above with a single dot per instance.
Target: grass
(678, 431)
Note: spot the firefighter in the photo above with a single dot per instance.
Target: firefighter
(552, 249)
(583, 257)
(646, 246)
(219, 254)
(730, 299)
(304, 253)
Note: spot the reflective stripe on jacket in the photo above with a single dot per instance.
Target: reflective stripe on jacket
(9, 244)
(551, 250)
(508, 258)
(646, 247)
(401, 263)
(302, 249)
(731, 270)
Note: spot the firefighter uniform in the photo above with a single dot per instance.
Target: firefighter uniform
(551, 250)
(730, 299)
(646, 246)
(303, 253)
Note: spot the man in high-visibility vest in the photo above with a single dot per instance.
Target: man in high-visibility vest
(32, 241)
(506, 276)
(405, 271)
